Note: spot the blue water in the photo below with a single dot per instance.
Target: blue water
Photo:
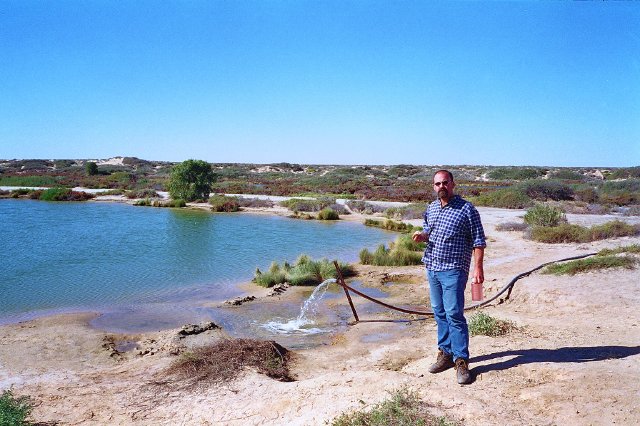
(146, 267)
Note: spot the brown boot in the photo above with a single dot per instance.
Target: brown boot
(443, 362)
(463, 373)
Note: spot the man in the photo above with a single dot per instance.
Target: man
(453, 231)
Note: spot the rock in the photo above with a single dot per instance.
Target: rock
(240, 300)
(278, 289)
(192, 329)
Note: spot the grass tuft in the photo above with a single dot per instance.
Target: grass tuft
(566, 233)
(304, 272)
(486, 325)
(403, 408)
(402, 252)
(544, 215)
(14, 410)
(591, 264)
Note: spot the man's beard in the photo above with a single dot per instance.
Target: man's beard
(443, 193)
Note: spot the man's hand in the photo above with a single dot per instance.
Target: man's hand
(478, 260)
(419, 237)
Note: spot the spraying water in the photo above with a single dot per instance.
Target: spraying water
(308, 311)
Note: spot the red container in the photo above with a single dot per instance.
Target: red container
(476, 291)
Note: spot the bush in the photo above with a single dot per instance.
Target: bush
(620, 193)
(591, 264)
(254, 202)
(364, 207)
(302, 205)
(27, 181)
(411, 211)
(633, 248)
(515, 173)
(391, 225)
(543, 190)
(566, 174)
(507, 198)
(304, 272)
(222, 203)
(328, 214)
(14, 410)
(64, 194)
(403, 252)
(403, 408)
(485, 325)
(512, 226)
(566, 233)
(543, 215)
(141, 193)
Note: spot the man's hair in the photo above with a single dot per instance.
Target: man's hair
(444, 171)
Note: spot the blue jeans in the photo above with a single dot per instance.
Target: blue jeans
(447, 302)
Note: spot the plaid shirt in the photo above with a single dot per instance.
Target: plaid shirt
(454, 230)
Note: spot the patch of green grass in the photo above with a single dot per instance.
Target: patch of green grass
(328, 214)
(402, 252)
(544, 215)
(507, 198)
(403, 408)
(392, 225)
(566, 233)
(14, 410)
(633, 248)
(486, 325)
(591, 264)
(305, 271)
(27, 181)
(222, 203)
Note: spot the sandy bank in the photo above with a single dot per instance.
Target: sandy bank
(574, 358)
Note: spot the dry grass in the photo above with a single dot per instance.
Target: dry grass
(226, 359)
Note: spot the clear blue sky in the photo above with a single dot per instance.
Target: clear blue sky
(328, 82)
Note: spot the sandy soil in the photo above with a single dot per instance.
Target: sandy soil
(574, 358)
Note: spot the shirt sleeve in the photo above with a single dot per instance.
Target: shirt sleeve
(426, 228)
(477, 231)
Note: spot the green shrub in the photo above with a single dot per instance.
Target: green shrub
(55, 194)
(486, 325)
(625, 173)
(507, 198)
(141, 193)
(566, 233)
(222, 203)
(633, 248)
(143, 202)
(305, 271)
(27, 181)
(544, 215)
(515, 173)
(14, 410)
(391, 225)
(591, 264)
(613, 229)
(176, 203)
(411, 211)
(620, 193)
(303, 205)
(403, 252)
(403, 408)
(566, 174)
(511, 226)
(328, 214)
(543, 190)
(586, 194)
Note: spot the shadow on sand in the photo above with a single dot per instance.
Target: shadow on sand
(568, 354)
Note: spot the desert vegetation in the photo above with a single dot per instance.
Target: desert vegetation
(403, 407)
(391, 225)
(486, 325)
(304, 271)
(14, 410)
(402, 252)
(577, 190)
(226, 359)
(620, 257)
